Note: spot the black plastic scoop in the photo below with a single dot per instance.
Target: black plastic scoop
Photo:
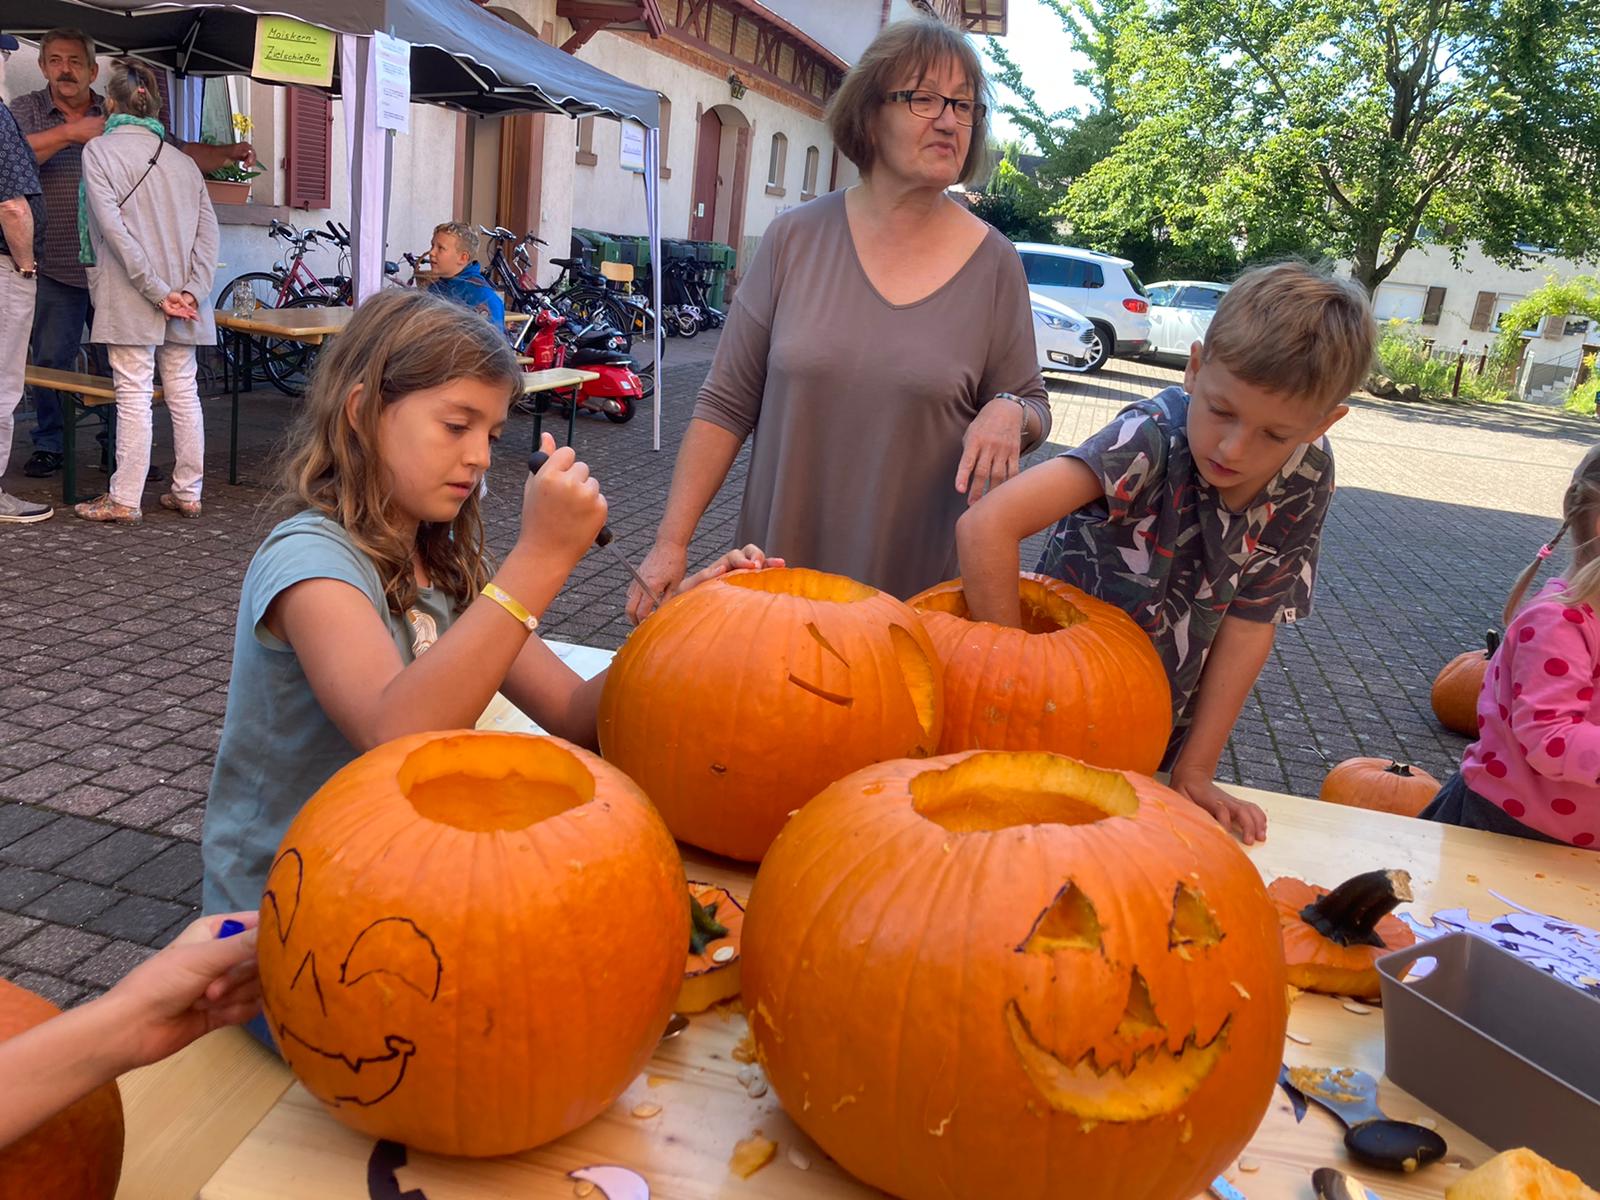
(1371, 1137)
(603, 539)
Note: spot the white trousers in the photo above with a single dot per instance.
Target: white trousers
(16, 326)
(133, 368)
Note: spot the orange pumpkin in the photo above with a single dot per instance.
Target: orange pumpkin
(471, 942)
(1457, 687)
(1013, 973)
(738, 701)
(76, 1154)
(1079, 678)
(1379, 784)
(712, 972)
(1332, 939)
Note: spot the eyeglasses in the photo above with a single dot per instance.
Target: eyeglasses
(931, 106)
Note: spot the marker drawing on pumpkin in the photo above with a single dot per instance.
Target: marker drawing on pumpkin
(283, 891)
(364, 1081)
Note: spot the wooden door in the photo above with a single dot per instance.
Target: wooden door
(703, 202)
(736, 197)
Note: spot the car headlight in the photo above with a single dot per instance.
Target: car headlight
(1050, 319)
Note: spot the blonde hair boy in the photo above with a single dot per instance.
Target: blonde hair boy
(1199, 511)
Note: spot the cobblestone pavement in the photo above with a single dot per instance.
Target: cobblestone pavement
(117, 641)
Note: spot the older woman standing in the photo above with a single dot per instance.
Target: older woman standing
(147, 222)
(880, 348)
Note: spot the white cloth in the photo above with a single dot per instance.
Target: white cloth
(16, 323)
(133, 369)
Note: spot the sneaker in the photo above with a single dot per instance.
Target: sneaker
(16, 511)
(184, 508)
(41, 465)
(104, 508)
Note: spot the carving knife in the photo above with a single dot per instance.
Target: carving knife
(604, 540)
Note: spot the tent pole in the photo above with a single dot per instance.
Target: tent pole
(368, 150)
(652, 203)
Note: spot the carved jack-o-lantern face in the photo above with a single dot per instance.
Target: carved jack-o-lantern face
(994, 971)
(444, 931)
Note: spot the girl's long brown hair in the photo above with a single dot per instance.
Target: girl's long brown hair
(399, 342)
(1580, 512)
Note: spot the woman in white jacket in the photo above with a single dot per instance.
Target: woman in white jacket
(147, 222)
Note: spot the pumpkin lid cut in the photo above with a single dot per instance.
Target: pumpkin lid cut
(1331, 939)
(716, 923)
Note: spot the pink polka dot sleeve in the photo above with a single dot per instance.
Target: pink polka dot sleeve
(1557, 648)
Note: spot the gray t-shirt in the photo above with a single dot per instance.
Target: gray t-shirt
(859, 406)
(1163, 547)
(278, 746)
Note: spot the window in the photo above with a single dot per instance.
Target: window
(1161, 293)
(808, 182)
(776, 163)
(585, 156)
(666, 128)
(1133, 281)
(1198, 297)
(1433, 306)
(1050, 270)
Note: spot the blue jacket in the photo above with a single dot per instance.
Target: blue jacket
(470, 290)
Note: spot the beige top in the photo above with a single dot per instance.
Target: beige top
(858, 405)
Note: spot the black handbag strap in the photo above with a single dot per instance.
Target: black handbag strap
(150, 166)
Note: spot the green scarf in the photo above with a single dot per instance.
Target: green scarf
(85, 250)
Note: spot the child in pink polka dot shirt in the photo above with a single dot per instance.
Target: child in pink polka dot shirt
(1534, 771)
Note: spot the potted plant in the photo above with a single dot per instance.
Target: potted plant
(230, 184)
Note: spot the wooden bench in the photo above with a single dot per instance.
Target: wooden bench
(81, 394)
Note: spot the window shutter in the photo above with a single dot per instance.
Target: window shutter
(1482, 311)
(1433, 306)
(308, 162)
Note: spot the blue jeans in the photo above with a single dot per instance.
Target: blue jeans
(59, 315)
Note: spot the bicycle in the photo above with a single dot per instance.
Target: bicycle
(290, 284)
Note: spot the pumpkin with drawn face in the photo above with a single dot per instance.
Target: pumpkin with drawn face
(470, 942)
(1011, 974)
(740, 699)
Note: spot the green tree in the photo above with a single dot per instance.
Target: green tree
(1347, 128)
(1578, 296)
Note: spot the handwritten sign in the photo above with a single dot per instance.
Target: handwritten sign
(393, 59)
(632, 146)
(290, 51)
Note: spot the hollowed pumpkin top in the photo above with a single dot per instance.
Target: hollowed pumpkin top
(1078, 678)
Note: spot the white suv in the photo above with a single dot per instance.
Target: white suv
(1100, 286)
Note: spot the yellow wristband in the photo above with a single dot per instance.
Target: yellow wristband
(509, 602)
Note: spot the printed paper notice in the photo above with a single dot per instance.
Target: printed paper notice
(290, 51)
(393, 60)
(632, 146)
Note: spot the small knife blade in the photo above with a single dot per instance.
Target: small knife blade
(1223, 1190)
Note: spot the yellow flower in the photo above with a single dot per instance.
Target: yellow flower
(242, 125)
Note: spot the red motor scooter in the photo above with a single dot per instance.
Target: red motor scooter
(597, 348)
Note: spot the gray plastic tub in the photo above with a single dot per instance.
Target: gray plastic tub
(1507, 1052)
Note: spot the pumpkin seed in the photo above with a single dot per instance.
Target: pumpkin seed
(799, 1158)
(645, 1111)
(1298, 1038)
(1249, 1165)
(1361, 1010)
(757, 1088)
(723, 954)
(583, 1188)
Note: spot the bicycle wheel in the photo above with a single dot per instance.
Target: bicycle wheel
(280, 359)
(639, 323)
(291, 366)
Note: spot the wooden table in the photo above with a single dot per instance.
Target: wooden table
(540, 384)
(309, 325)
(298, 1150)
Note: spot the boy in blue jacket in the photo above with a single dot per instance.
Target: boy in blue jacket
(457, 275)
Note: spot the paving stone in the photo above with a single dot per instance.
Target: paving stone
(113, 857)
(18, 885)
(58, 991)
(71, 902)
(55, 842)
(14, 928)
(19, 820)
(151, 807)
(170, 875)
(85, 800)
(110, 964)
(54, 949)
(139, 919)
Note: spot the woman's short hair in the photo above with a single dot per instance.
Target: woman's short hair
(133, 88)
(909, 48)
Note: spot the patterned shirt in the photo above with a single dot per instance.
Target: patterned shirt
(19, 177)
(1538, 750)
(1162, 546)
(60, 175)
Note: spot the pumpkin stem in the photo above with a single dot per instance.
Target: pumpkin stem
(1349, 914)
(1398, 768)
(704, 928)
(1491, 643)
